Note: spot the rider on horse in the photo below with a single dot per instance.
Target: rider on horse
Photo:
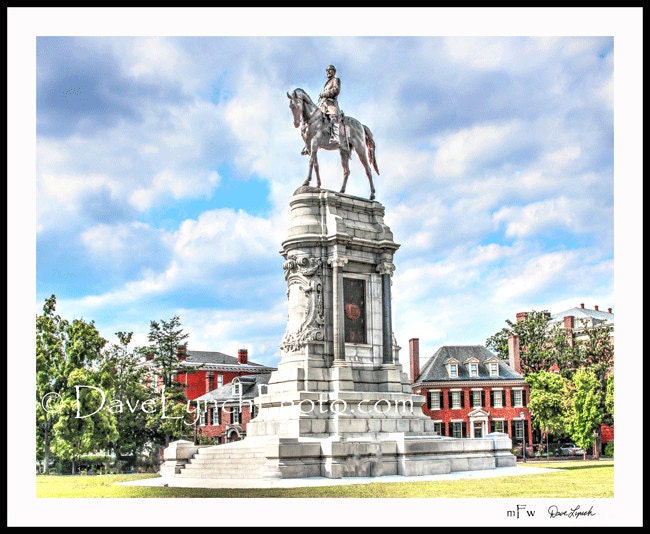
(328, 104)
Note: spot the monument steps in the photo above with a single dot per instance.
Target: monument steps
(225, 461)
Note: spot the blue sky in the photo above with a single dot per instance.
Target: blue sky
(165, 166)
(164, 163)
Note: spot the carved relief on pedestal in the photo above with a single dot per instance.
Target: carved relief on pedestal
(305, 293)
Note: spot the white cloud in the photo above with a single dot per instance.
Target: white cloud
(178, 186)
(535, 275)
(459, 150)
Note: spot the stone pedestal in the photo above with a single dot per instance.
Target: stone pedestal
(339, 403)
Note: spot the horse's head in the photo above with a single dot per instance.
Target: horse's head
(295, 105)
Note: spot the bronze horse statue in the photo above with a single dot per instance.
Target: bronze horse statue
(315, 131)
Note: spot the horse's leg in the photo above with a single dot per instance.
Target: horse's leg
(313, 164)
(345, 163)
(361, 152)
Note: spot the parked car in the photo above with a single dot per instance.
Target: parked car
(570, 449)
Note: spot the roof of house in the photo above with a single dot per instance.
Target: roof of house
(249, 389)
(218, 360)
(593, 317)
(435, 370)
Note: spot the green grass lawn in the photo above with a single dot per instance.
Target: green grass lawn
(575, 479)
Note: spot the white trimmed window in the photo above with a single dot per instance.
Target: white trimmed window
(517, 398)
(519, 429)
(498, 426)
(453, 370)
(473, 369)
(235, 415)
(497, 398)
(494, 369)
(455, 400)
(434, 400)
(219, 380)
(456, 429)
(477, 400)
(438, 428)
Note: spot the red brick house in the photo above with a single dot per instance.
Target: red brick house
(470, 392)
(226, 411)
(204, 371)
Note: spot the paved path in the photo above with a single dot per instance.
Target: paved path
(323, 481)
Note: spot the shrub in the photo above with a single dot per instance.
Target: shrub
(609, 449)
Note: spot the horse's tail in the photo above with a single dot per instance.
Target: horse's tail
(370, 145)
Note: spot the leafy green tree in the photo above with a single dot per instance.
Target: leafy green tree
(547, 401)
(51, 378)
(84, 424)
(584, 407)
(69, 379)
(541, 343)
(595, 350)
(609, 395)
(130, 398)
(167, 342)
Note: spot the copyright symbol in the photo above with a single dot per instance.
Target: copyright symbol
(51, 402)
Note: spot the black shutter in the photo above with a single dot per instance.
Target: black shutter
(483, 398)
(441, 399)
(505, 426)
(523, 398)
(449, 399)
(462, 399)
(464, 429)
(491, 398)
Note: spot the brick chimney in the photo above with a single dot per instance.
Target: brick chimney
(596, 307)
(582, 305)
(414, 353)
(182, 353)
(514, 359)
(521, 316)
(242, 355)
(569, 321)
(609, 310)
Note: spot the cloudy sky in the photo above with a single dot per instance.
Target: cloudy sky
(165, 160)
(165, 166)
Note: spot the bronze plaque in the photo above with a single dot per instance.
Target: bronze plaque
(354, 307)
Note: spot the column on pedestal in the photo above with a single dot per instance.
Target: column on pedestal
(386, 269)
(338, 329)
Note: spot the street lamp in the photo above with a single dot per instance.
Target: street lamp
(523, 441)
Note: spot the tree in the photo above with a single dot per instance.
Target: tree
(547, 401)
(167, 344)
(595, 350)
(542, 344)
(609, 395)
(67, 371)
(50, 375)
(129, 397)
(84, 425)
(584, 407)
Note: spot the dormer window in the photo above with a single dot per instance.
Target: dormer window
(473, 369)
(492, 365)
(452, 367)
(236, 388)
